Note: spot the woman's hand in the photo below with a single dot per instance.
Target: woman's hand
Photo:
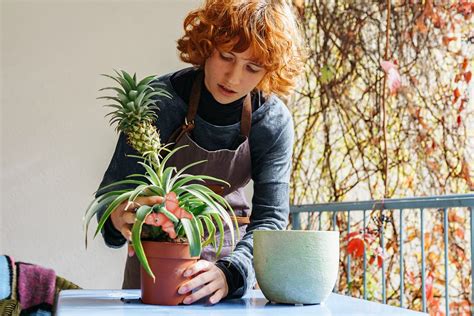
(208, 278)
(124, 216)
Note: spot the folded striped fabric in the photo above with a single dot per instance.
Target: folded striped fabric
(28, 289)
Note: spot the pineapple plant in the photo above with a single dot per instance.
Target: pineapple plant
(135, 110)
(189, 208)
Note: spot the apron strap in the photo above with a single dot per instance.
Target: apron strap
(246, 118)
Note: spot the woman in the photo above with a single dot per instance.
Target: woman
(244, 53)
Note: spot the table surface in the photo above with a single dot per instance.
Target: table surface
(126, 302)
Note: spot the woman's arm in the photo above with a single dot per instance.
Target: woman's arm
(270, 203)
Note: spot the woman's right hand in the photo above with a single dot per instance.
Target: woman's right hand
(124, 216)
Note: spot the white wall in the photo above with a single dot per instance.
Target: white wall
(56, 144)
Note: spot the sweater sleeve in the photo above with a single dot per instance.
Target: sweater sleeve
(270, 202)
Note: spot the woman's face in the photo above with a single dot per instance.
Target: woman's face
(230, 76)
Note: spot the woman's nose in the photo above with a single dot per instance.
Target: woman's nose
(234, 75)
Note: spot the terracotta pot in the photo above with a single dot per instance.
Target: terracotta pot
(168, 261)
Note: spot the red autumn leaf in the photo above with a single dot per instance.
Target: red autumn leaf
(459, 233)
(459, 121)
(420, 25)
(379, 261)
(456, 94)
(448, 39)
(461, 106)
(372, 259)
(394, 80)
(355, 247)
(464, 64)
(429, 287)
(467, 76)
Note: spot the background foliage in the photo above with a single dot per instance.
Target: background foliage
(365, 133)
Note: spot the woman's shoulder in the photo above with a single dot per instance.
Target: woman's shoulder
(272, 123)
(272, 118)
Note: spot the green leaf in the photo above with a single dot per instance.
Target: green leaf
(211, 229)
(120, 183)
(327, 74)
(129, 79)
(165, 178)
(121, 198)
(155, 190)
(155, 179)
(141, 214)
(145, 81)
(180, 172)
(92, 209)
(168, 214)
(221, 234)
(223, 215)
(118, 90)
(192, 233)
(167, 157)
(136, 192)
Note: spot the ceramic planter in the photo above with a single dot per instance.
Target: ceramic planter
(168, 261)
(296, 267)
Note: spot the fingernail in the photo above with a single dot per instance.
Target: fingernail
(187, 301)
(182, 290)
(186, 274)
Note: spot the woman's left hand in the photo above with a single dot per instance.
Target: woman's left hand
(209, 277)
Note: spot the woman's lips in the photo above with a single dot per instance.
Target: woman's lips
(225, 91)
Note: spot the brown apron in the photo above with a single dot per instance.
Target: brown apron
(231, 165)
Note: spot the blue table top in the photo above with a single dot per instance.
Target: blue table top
(125, 302)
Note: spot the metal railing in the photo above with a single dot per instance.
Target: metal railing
(441, 203)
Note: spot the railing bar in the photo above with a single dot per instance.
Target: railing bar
(382, 245)
(296, 221)
(446, 228)
(463, 200)
(348, 256)
(365, 260)
(402, 272)
(319, 219)
(423, 285)
(334, 218)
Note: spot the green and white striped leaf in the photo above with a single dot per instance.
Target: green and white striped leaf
(142, 213)
(192, 234)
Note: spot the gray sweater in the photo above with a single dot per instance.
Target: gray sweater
(271, 144)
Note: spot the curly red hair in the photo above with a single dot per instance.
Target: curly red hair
(268, 27)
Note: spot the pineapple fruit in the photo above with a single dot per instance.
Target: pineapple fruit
(135, 111)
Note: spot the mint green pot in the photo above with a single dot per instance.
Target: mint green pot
(296, 267)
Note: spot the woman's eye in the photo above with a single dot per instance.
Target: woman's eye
(226, 56)
(254, 68)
